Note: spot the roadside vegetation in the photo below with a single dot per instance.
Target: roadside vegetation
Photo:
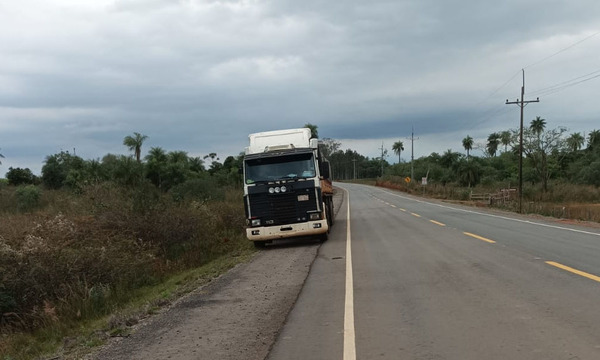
(561, 171)
(91, 246)
(88, 239)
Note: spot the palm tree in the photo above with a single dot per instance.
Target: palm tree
(505, 138)
(178, 157)
(538, 125)
(314, 132)
(593, 139)
(398, 147)
(134, 143)
(575, 141)
(468, 144)
(493, 142)
(196, 164)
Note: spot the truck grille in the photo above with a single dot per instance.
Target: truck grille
(282, 208)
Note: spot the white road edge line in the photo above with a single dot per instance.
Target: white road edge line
(349, 333)
(496, 216)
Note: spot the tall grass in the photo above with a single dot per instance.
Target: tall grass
(562, 200)
(78, 256)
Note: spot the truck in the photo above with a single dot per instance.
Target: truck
(288, 192)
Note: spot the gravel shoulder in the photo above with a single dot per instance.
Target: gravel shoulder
(236, 316)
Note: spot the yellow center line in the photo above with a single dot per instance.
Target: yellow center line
(479, 237)
(413, 214)
(393, 205)
(574, 271)
(402, 209)
(437, 223)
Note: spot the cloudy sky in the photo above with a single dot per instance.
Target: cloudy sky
(200, 75)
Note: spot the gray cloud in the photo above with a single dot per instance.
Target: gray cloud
(200, 75)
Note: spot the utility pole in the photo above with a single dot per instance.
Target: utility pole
(382, 159)
(412, 153)
(354, 163)
(521, 103)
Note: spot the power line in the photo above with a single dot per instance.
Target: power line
(500, 88)
(555, 88)
(560, 51)
(568, 83)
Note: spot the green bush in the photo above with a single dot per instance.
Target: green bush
(28, 197)
(202, 190)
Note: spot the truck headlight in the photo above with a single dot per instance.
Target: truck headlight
(315, 216)
(255, 222)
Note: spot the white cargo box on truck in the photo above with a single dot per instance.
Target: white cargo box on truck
(280, 139)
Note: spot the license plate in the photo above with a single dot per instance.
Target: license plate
(303, 197)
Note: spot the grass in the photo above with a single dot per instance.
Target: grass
(73, 340)
(562, 200)
(79, 268)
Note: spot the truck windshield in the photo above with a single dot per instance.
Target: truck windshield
(280, 168)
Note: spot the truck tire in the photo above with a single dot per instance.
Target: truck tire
(329, 210)
(260, 244)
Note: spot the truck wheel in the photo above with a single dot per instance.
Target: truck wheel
(260, 244)
(329, 211)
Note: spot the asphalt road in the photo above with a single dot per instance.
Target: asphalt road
(427, 280)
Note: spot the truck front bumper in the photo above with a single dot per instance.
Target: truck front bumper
(310, 228)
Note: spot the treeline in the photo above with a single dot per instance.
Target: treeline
(163, 169)
(548, 155)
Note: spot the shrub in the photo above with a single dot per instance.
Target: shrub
(203, 189)
(79, 264)
(28, 197)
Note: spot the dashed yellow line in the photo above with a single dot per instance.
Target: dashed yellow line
(437, 223)
(574, 271)
(401, 209)
(413, 214)
(392, 205)
(479, 237)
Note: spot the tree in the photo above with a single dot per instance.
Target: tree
(593, 140)
(60, 167)
(575, 141)
(538, 147)
(156, 163)
(18, 176)
(505, 139)
(492, 144)
(314, 132)
(196, 164)
(328, 147)
(538, 125)
(398, 147)
(212, 156)
(134, 143)
(468, 144)
(468, 173)
(449, 159)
